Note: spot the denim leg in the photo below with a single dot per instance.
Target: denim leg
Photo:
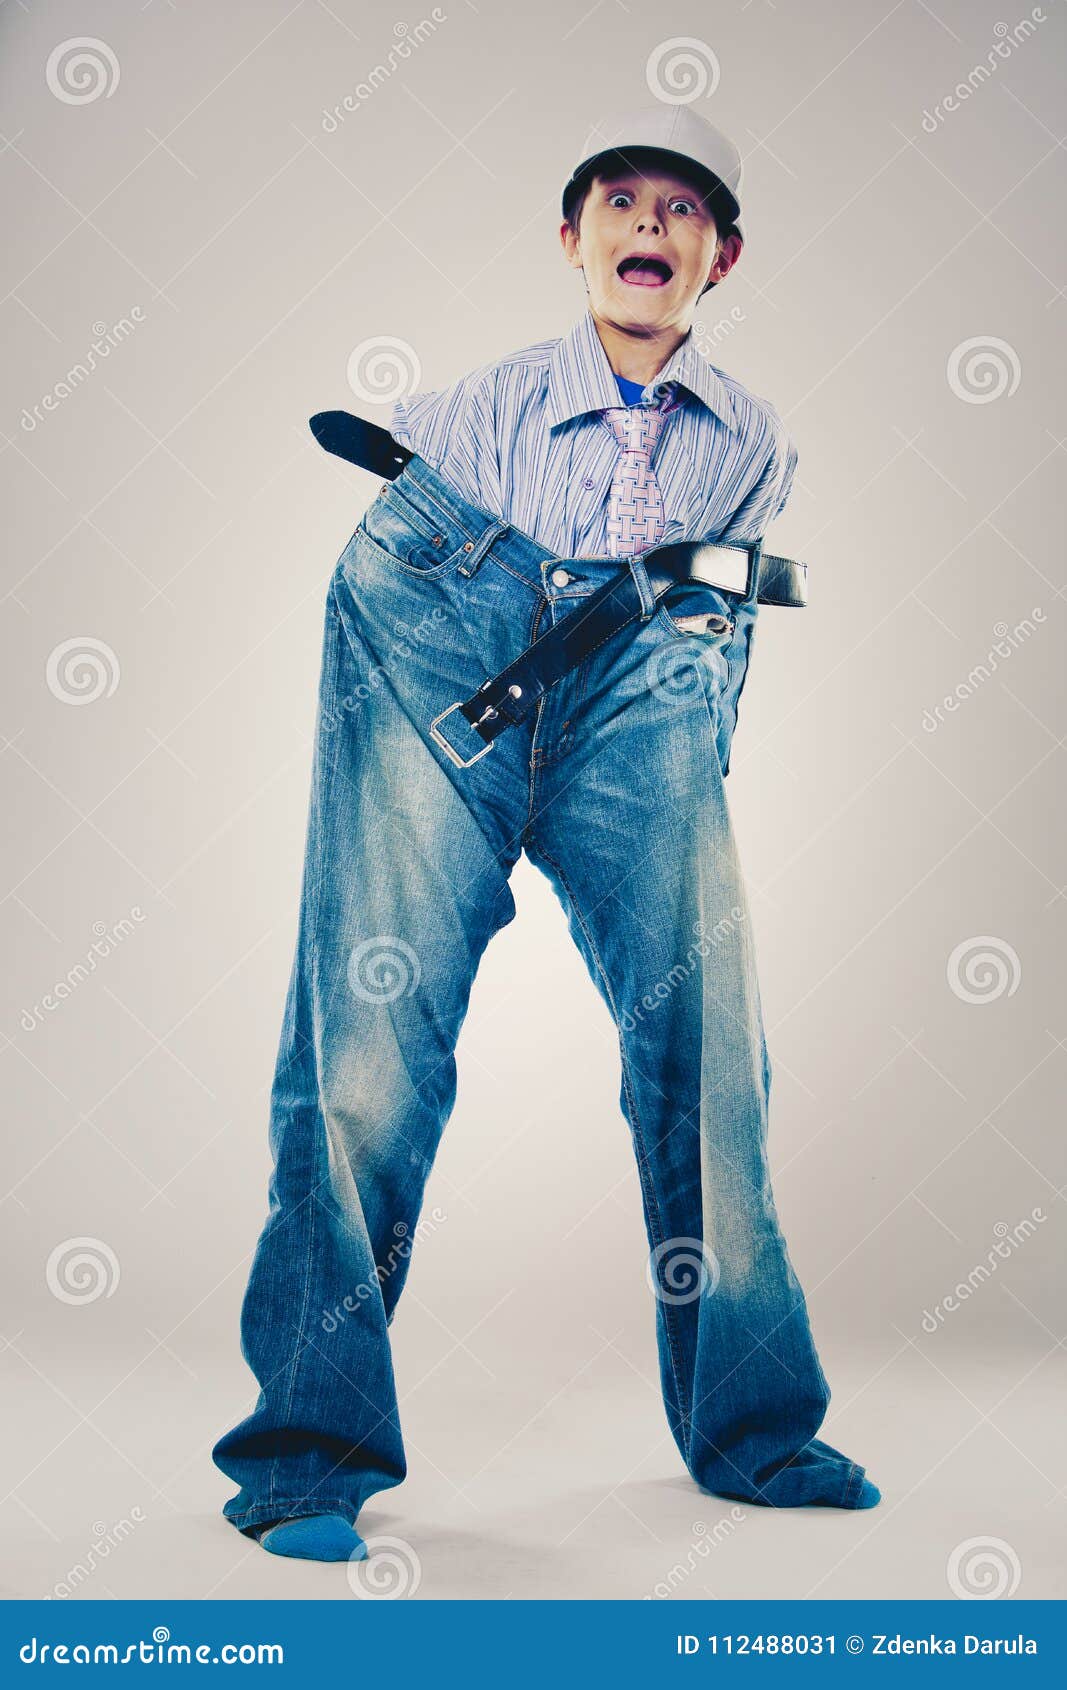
(631, 826)
(402, 889)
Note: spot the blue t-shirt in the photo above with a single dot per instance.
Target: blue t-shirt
(631, 390)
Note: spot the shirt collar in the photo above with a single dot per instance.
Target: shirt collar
(580, 379)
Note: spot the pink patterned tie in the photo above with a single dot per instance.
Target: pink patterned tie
(635, 504)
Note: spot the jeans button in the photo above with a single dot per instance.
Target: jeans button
(560, 577)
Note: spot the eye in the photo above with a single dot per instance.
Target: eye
(619, 194)
(683, 208)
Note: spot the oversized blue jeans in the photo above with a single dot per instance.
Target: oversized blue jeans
(615, 790)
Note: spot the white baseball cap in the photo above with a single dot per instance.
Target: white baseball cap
(669, 129)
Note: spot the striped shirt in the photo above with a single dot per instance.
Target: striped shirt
(522, 439)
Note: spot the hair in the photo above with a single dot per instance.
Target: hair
(711, 190)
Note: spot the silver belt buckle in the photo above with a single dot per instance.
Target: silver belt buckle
(460, 762)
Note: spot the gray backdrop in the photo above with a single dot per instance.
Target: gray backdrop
(210, 211)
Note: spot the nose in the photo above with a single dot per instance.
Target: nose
(650, 224)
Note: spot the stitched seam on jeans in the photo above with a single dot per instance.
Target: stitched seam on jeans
(722, 635)
(327, 689)
(737, 696)
(855, 1474)
(643, 1166)
(446, 514)
(298, 1352)
(534, 765)
(429, 572)
(406, 510)
(298, 1509)
(534, 586)
(642, 1159)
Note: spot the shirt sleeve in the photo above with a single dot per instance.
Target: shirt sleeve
(454, 431)
(768, 498)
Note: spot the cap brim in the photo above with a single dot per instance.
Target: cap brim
(711, 185)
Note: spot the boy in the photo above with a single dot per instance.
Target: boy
(523, 486)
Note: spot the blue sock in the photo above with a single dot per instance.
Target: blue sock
(314, 1537)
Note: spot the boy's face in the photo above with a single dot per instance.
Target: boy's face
(660, 215)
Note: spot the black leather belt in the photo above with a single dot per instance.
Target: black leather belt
(630, 596)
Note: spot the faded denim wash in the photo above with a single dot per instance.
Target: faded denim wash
(615, 789)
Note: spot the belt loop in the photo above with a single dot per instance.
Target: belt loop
(644, 587)
(755, 558)
(473, 563)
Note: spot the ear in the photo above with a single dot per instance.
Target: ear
(727, 253)
(570, 244)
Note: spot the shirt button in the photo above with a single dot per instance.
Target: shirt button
(560, 577)
(588, 482)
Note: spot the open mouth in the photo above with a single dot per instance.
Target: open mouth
(644, 270)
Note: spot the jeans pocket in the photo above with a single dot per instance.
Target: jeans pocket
(694, 611)
(408, 538)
